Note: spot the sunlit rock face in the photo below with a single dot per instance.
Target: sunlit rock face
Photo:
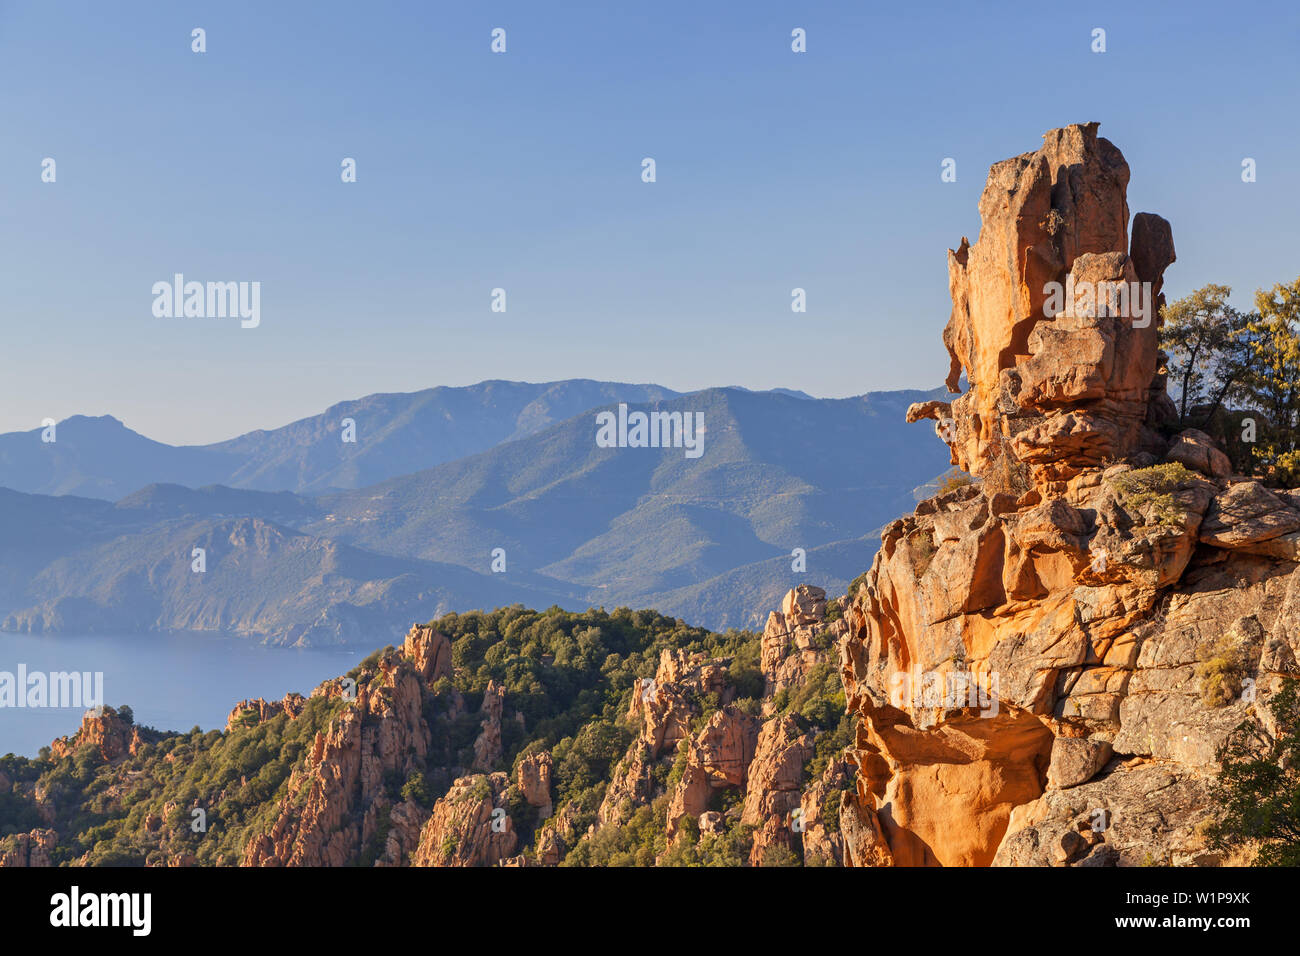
(1059, 380)
(1028, 655)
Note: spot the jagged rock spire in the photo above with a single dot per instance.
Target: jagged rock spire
(1058, 380)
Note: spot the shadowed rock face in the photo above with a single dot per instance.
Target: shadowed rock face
(1078, 587)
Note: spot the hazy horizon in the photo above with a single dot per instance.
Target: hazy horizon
(184, 441)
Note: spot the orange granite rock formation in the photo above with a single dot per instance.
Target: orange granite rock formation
(1026, 653)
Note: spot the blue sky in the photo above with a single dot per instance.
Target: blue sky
(522, 171)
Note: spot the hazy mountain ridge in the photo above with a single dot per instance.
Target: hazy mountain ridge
(634, 525)
(397, 433)
(709, 539)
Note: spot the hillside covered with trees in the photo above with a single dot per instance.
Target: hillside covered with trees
(515, 736)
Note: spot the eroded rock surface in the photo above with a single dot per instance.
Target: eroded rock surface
(756, 765)
(29, 849)
(379, 733)
(1056, 384)
(470, 826)
(1044, 663)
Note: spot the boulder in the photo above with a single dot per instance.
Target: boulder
(719, 756)
(1197, 451)
(487, 746)
(1247, 513)
(1076, 760)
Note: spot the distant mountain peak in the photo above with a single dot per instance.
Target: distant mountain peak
(790, 392)
(103, 420)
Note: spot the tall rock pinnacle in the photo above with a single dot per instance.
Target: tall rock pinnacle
(1032, 655)
(1058, 380)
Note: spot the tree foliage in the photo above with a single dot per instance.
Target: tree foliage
(1258, 790)
(1208, 353)
(1236, 375)
(1273, 380)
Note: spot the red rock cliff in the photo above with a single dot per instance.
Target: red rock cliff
(1027, 655)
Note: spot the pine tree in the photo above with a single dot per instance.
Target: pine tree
(1258, 790)
(1208, 352)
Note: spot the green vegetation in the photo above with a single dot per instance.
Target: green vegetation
(923, 550)
(1151, 491)
(955, 480)
(1236, 375)
(119, 814)
(1205, 340)
(1272, 381)
(569, 675)
(819, 700)
(777, 855)
(729, 848)
(637, 843)
(1258, 790)
(1221, 671)
(417, 790)
(568, 680)
(449, 844)
(831, 810)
